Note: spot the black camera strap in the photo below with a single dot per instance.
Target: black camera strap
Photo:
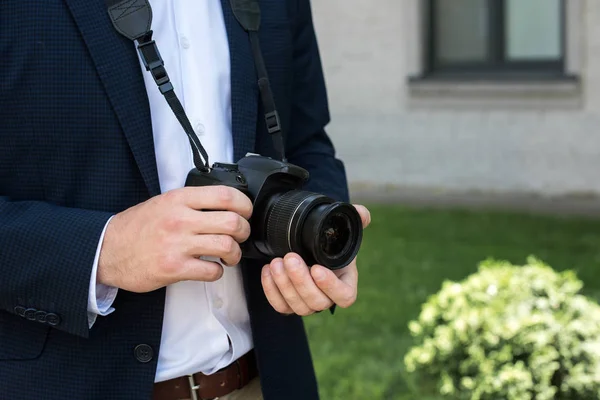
(247, 12)
(133, 19)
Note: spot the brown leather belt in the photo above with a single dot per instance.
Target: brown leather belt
(208, 387)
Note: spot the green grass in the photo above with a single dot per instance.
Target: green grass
(406, 256)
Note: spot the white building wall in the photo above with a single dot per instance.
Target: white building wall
(394, 134)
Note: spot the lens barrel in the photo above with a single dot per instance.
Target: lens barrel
(319, 229)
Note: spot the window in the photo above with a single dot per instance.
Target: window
(499, 37)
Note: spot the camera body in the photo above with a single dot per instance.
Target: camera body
(286, 218)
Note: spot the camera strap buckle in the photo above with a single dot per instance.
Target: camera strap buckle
(273, 122)
(154, 63)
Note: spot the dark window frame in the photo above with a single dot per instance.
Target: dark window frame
(497, 65)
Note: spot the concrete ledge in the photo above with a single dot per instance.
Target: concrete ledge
(494, 94)
(576, 204)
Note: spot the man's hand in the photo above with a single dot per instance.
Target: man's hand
(160, 241)
(291, 287)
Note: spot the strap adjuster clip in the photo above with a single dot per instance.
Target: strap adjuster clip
(273, 122)
(154, 63)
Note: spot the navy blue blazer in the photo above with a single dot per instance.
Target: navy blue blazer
(76, 147)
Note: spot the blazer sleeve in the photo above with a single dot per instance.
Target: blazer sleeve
(308, 145)
(46, 258)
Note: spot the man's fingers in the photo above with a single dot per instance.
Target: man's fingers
(222, 198)
(299, 275)
(201, 270)
(220, 223)
(287, 289)
(220, 246)
(365, 214)
(272, 292)
(342, 290)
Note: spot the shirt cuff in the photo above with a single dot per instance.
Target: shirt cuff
(100, 297)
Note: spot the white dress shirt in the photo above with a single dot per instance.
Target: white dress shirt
(206, 325)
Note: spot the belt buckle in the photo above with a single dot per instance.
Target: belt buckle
(194, 387)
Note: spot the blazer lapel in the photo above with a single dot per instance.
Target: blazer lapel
(118, 67)
(244, 86)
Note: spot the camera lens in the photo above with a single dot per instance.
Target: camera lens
(319, 229)
(334, 235)
(332, 232)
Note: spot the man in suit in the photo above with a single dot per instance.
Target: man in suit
(114, 285)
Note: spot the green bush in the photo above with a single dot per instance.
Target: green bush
(509, 332)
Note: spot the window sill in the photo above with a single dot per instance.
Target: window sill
(500, 91)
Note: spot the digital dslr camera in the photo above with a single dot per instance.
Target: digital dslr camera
(285, 218)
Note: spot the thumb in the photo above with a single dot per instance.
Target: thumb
(365, 214)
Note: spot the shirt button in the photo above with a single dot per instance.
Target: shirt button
(143, 353)
(200, 128)
(185, 43)
(218, 303)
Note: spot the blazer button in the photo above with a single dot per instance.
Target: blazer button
(30, 314)
(52, 319)
(143, 353)
(20, 311)
(40, 316)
